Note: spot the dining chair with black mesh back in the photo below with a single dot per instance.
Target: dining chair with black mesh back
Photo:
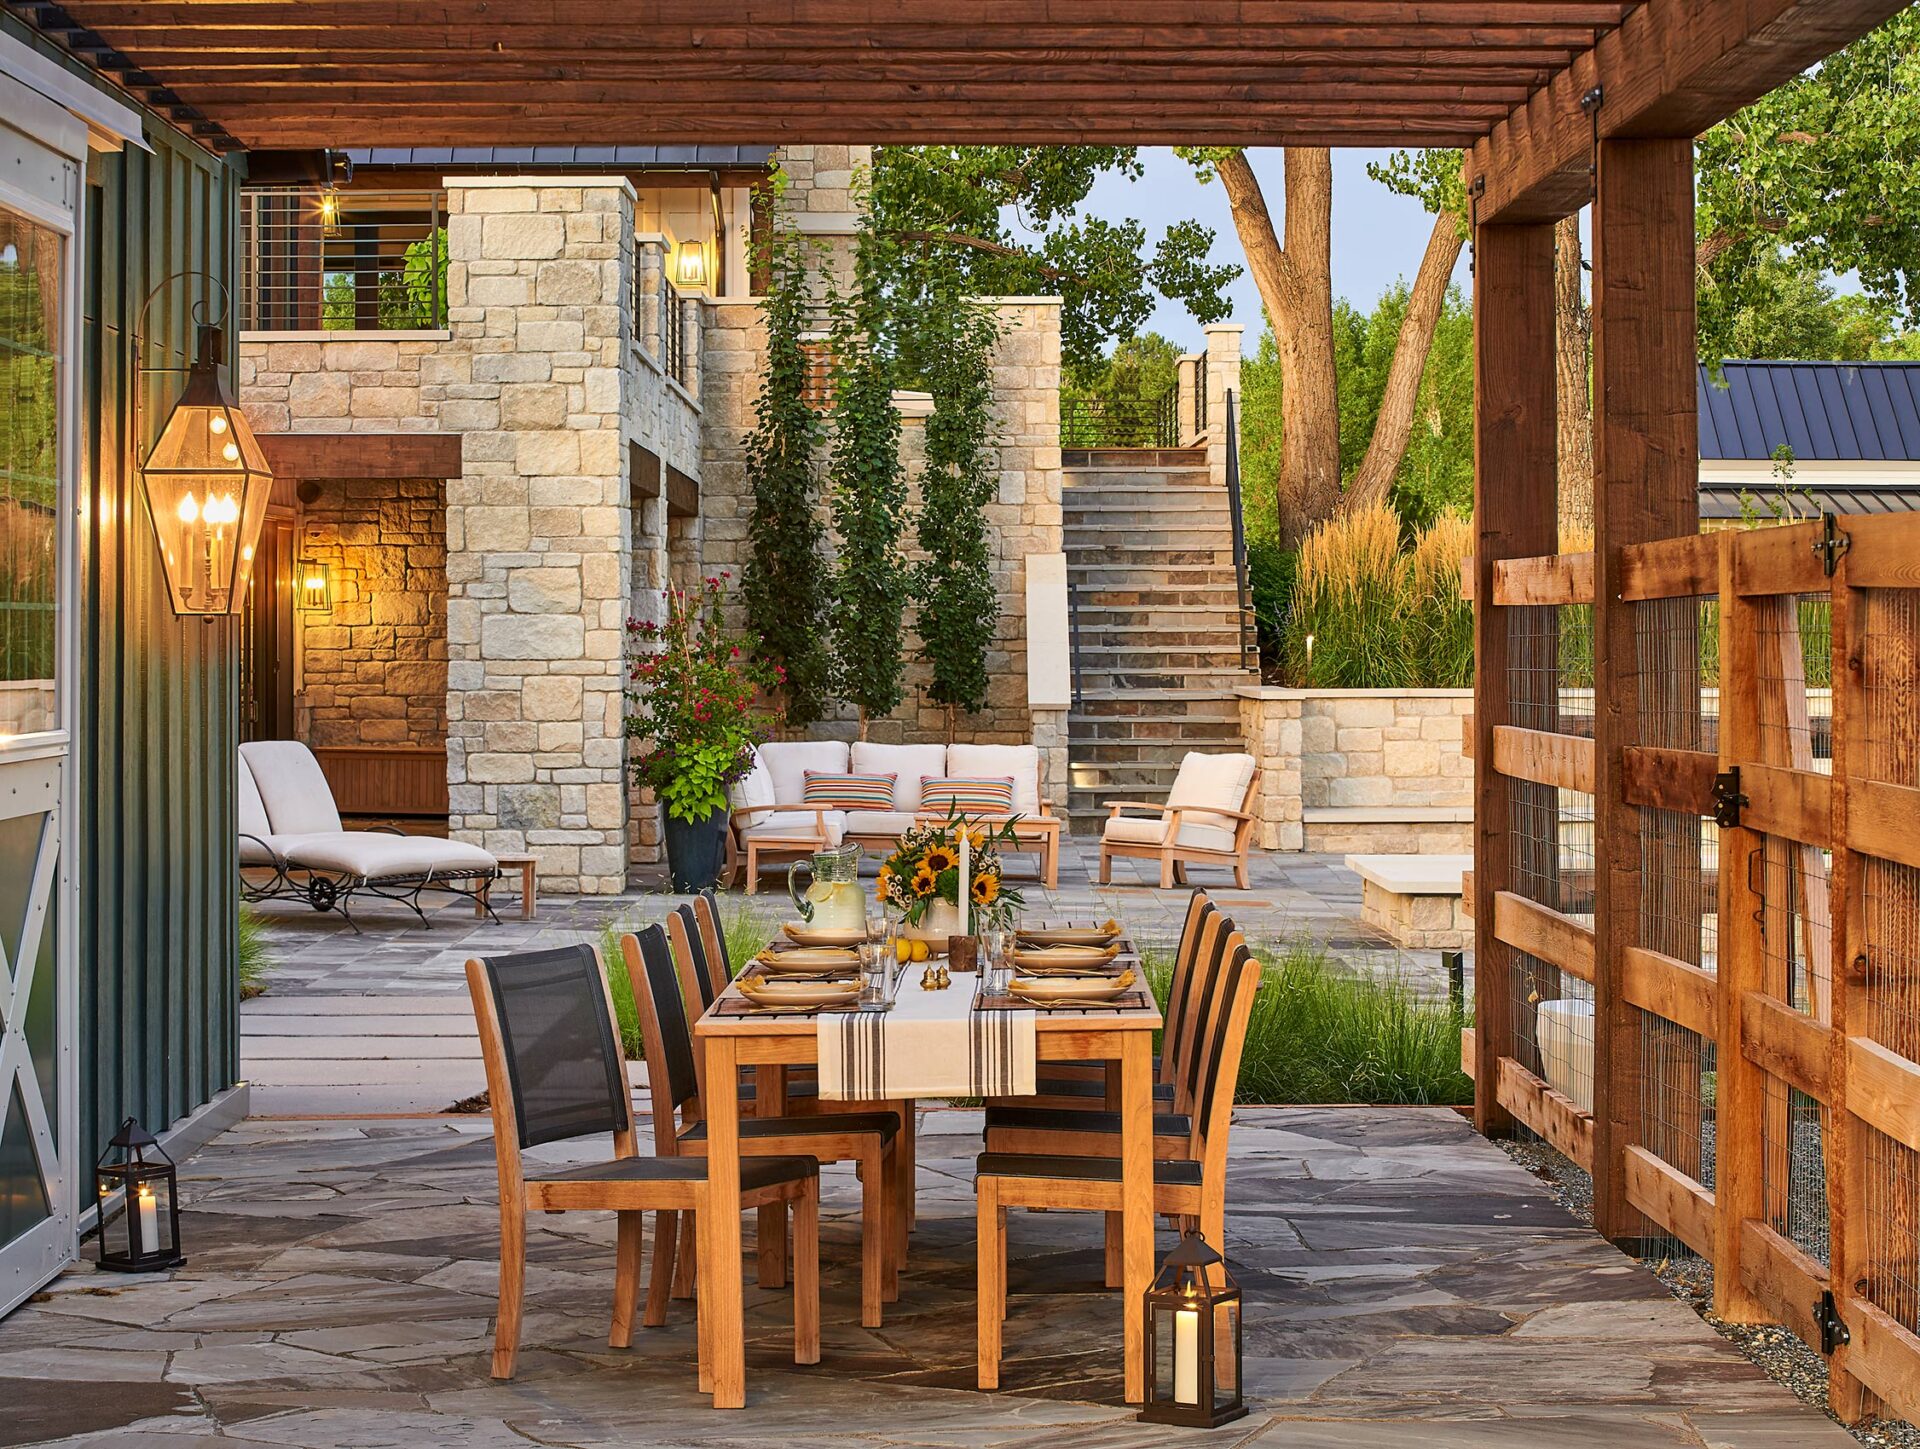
(1193, 1187)
(706, 906)
(869, 1139)
(556, 1073)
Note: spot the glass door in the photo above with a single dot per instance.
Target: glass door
(38, 1167)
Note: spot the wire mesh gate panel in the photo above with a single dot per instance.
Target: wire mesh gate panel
(1774, 970)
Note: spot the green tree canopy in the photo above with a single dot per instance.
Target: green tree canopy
(970, 198)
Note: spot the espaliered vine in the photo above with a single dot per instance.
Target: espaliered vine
(786, 584)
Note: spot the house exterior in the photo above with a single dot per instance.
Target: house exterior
(493, 484)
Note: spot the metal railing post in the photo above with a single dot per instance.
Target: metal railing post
(1239, 525)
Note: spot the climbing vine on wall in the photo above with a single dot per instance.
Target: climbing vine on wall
(787, 581)
(868, 489)
(954, 585)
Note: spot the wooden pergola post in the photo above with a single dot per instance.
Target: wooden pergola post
(1645, 487)
(1514, 517)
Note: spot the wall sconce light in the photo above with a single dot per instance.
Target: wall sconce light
(207, 483)
(329, 212)
(690, 266)
(316, 586)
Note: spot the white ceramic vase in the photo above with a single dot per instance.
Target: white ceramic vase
(941, 921)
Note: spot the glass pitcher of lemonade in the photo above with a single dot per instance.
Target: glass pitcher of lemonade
(832, 900)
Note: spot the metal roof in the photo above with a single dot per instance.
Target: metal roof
(1721, 500)
(1826, 412)
(542, 157)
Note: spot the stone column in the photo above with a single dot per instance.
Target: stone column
(1222, 377)
(540, 293)
(1270, 719)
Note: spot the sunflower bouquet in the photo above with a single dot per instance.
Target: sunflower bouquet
(925, 868)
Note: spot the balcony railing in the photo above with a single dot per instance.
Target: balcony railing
(1128, 422)
(342, 261)
(673, 331)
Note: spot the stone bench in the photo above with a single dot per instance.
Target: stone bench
(1415, 899)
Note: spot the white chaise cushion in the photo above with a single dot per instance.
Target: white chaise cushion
(376, 856)
(794, 825)
(909, 764)
(890, 823)
(1217, 782)
(292, 787)
(1020, 763)
(257, 845)
(788, 761)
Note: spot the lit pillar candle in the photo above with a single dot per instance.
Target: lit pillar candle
(1186, 1356)
(149, 1211)
(966, 871)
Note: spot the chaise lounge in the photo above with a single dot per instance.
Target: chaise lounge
(290, 833)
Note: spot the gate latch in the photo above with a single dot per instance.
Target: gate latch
(1833, 1331)
(1831, 543)
(1727, 798)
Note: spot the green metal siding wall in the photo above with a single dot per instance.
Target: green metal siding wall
(155, 740)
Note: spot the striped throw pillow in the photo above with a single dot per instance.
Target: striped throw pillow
(967, 794)
(849, 792)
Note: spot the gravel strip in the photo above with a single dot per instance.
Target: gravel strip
(1776, 1351)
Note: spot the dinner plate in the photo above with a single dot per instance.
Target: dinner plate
(1071, 988)
(799, 993)
(801, 934)
(1059, 958)
(809, 961)
(1070, 935)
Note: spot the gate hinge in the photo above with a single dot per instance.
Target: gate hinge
(1833, 1330)
(1831, 543)
(1727, 799)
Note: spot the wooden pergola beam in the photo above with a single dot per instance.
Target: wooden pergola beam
(1673, 68)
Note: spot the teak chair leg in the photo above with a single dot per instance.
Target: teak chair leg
(874, 1232)
(770, 1246)
(1166, 872)
(666, 1231)
(629, 1256)
(806, 1274)
(1106, 867)
(702, 1308)
(513, 1283)
(990, 1236)
(687, 1264)
(1116, 1264)
(1240, 872)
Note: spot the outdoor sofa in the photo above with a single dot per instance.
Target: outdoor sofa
(770, 819)
(292, 845)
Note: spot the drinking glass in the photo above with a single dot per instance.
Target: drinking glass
(993, 945)
(873, 972)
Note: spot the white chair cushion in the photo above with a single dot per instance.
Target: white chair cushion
(755, 789)
(789, 760)
(909, 763)
(1020, 762)
(793, 825)
(890, 823)
(1135, 829)
(292, 787)
(1210, 782)
(385, 857)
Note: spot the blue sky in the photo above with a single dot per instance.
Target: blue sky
(1377, 236)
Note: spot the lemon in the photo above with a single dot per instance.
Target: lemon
(921, 950)
(903, 951)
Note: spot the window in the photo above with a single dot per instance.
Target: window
(31, 278)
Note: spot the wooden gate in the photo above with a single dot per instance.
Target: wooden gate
(1756, 1071)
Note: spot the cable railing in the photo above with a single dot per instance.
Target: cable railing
(317, 260)
(1126, 422)
(673, 331)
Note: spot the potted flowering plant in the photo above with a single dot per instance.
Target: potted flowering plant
(690, 691)
(921, 879)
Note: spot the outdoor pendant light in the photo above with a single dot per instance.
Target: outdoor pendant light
(690, 266)
(329, 212)
(1193, 1340)
(207, 484)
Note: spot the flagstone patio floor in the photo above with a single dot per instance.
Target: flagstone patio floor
(1406, 1283)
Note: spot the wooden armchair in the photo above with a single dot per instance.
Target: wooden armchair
(1207, 820)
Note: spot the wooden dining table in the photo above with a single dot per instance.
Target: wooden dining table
(730, 1038)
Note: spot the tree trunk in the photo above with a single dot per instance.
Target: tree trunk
(1295, 281)
(1374, 477)
(1573, 336)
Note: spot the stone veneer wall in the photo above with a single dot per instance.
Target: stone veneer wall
(1361, 771)
(1024, 519)
(540, 296)
(373, 669)
(360, 383)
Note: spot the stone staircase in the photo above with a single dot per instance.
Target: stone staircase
(1157, 623)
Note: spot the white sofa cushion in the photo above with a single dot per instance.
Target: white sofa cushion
(909, 763)
(890, 823)
(1021, 763)
(385, 857)
(789, 760)
(292, 787)
(755, 789)
(1210, 782)
(794, 825)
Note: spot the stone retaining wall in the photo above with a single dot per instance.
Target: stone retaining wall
(1361, 771)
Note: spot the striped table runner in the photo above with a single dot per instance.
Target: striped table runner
(932, 1044)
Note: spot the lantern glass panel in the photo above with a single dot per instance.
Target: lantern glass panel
(1226, 1354)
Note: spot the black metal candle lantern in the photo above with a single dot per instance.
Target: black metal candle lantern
(1193, 1340)
(139, 1203)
